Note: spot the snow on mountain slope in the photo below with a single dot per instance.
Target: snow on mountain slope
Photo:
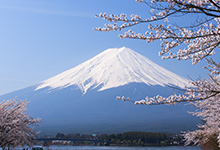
(113, 68)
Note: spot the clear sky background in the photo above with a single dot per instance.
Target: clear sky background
(42, 38)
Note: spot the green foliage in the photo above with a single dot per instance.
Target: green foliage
(130, 138)
(146, 137)
(60, 135)
(137, 138)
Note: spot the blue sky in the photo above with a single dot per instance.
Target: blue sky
(41, 38)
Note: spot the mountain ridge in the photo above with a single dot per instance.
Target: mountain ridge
(112, 68)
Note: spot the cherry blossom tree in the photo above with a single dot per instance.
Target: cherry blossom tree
(16, 127)
(200, 37)
(197, 40)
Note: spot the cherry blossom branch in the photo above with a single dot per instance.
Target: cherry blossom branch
(15, 125)
(200, 90)
(200, 42)
(199, 39)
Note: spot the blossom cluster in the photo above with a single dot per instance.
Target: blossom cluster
(15, 124)
(200, 39)
(208, 134)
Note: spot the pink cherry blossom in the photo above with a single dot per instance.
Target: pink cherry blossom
(196, 41)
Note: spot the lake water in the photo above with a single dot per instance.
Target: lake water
(121, 148)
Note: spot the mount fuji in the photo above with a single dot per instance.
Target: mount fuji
(82, 99)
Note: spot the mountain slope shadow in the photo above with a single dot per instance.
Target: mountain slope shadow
(69, 110)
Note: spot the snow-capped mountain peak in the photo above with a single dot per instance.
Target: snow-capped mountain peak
(113, 68)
